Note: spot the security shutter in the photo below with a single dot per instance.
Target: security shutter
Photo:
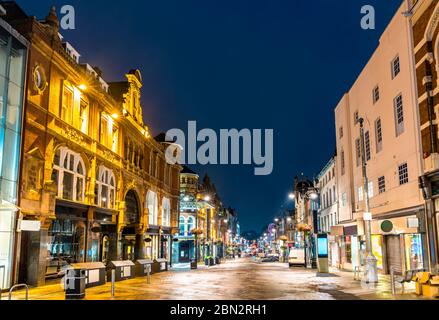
(393, 251)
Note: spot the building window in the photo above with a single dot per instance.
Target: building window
(182, 226)
(340, 132)
(358, 151)
(69, 175)
(399, 115)
(367, 145)
(370, 189)
(403, 174)
(333, 192)
(378, 135)
(190, 224)
(376, 94)
(395, 67)
(105, 188)
(67, 105)
(109, 133)
(166, 212)
(381, 184)
(152, 203)
(356, 117)
(360, 193)
(344, 199)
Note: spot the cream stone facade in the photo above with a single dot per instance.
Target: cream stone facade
(384, 95)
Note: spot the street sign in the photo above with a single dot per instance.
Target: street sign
(29, 225)
(367, 216)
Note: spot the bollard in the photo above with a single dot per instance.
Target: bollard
(392, 280)
(113, 282)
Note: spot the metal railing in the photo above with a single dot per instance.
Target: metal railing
(19, 286)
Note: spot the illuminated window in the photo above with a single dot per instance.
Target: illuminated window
(67, 105)
(109, 132)
(166, 212)
(152, 203)
(69, 175)
(106, 185)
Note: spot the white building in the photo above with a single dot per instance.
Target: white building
(384, 95)
(328, 211)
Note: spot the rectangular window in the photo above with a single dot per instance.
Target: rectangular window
(399, 115)
(395, 67)
(376, 94)
(356, 117)
(370, 189)
(367, 145)
(344, 199)
(104, 130)
(358, 151)
(340, 132)
(360, 193)
(83, 113)
(381, 184)
(67, 105)
(403, 174)
(378, 135)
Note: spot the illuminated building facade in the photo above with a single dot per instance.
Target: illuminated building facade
(92, 175)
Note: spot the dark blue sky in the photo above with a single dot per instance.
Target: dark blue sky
(280, 64)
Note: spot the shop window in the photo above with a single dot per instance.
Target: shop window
(69, 175)
(413, 251)
(106, 188)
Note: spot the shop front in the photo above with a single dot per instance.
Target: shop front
(398, 243)
(350, 248)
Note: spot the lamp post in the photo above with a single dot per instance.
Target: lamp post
(371, 275)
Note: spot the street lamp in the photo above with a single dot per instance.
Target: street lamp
(292, 196)
(371, 274)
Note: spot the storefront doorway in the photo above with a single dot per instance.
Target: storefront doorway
(184, 252)
(393, 253)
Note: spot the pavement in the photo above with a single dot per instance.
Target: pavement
(239, 279)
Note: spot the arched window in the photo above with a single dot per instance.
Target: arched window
(152, 203)
(182, 226)
(190, 224)
(69, 174)
(105, 188)
(166, 212)
(132, 215)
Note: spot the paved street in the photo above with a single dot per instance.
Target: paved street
(237, 279)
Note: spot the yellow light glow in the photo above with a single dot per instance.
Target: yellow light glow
(83, 87)
(115, 116)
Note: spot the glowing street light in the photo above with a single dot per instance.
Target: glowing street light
(291, 196)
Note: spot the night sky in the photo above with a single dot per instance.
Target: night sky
(277, 64)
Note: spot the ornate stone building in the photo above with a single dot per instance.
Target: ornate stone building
(92, 174)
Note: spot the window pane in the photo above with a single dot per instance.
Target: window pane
(17, 64)
(13, 113)
(104, 196)
(68, 186)
(79, 189)
(10, 153)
